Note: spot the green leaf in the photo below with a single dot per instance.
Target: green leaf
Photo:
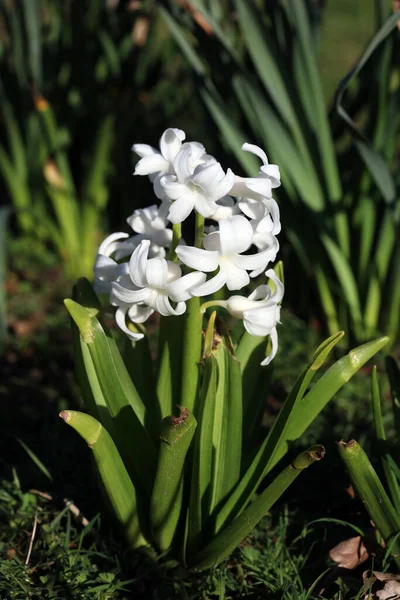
(376, 165)
(277, 439)
(203, 452)
(231, 536)
(123, 402)
(381, 437)
(118, 487)
(170, 364)
(166, 500)
(227, 428)
(33, 22)
(372, 493)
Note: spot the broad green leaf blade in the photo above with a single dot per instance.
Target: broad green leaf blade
(372, 493)
(123, 402)
(378, 168)
(276, 439)
(169, 364)
(166, 500)
(231, 536)
(202, 454)
(117, 484)
(391, 478)
(227, 428)
(297, 12)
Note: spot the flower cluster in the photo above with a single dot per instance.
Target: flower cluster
(146, 272)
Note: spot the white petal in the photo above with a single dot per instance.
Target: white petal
(120, 320)
(256, 150)
(212, 242)
(236, 278)
(120, 294)
(138, 313)
(183, 166)
(163, 306)
(173, 189)
(204, 205)
(137, 264)
(140, 220)
(196, 258)
(266, 317)
(259, 185)
(181, 208)
(274, 340)
(180, 289)
(273, 209)
(171, 142)
(255, 261)
(223, 187)
(174, 271)
(209, 287)
(144, 150)
(273, 173)
(236, 235)
(154, 163)
(254, 209)
(104, 268)
(157, 273)
(108, 246)
(279, 287)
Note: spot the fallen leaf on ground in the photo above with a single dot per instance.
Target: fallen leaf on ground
(350, 553)
(381, 586)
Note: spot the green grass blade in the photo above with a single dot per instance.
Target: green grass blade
(166, 500)
(35, 459)
(372, 493)
(327, 300)
(230, 537)
(391, 478)
(117, 484)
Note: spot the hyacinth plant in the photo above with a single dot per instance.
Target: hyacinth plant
(178, 441)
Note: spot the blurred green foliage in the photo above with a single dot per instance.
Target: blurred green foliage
(79, 81)
(256, 67)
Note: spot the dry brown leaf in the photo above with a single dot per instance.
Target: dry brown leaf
(381, 586)
(350, 553)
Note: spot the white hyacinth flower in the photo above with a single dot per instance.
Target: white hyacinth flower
(152, 282)
(151, 224)
(198, 182)
(223, 250)
(106, 269)
(259, 209)
(227, 208)
(259, 187)
(156, 161)
(260, 311)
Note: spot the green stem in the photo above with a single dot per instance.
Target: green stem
(192, 342)
(199, 233)
(206, 305)
(176, 236)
